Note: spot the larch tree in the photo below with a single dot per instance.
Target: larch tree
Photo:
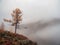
(16, 18)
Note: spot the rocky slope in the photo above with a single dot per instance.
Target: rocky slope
(8, 38)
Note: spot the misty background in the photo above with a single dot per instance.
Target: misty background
(41, 19)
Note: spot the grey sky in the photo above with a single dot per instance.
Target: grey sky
(33, 10)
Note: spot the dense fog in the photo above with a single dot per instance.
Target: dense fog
(41, 19)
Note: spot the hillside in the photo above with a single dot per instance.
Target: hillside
(8, 38)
